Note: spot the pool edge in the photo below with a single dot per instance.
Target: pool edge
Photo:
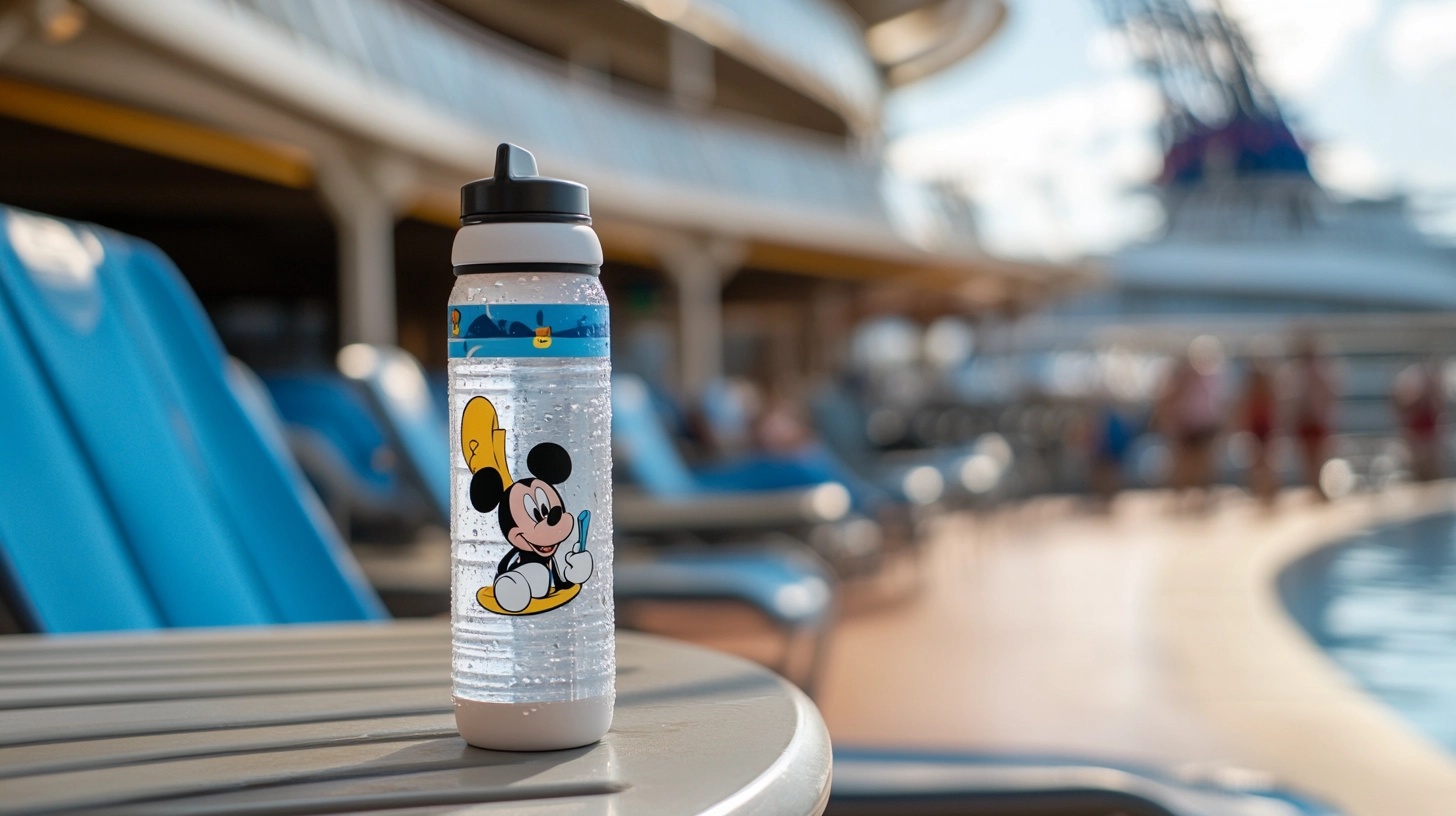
(1259, 679)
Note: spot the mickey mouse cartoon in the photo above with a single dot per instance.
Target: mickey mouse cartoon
(532, 517)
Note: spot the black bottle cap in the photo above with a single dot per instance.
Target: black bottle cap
(517, 193)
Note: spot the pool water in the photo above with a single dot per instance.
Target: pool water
(1383, 605)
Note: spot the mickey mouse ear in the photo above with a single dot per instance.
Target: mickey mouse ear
(486, 489)
(550, 462)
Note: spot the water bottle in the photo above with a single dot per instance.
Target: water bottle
(534, 650)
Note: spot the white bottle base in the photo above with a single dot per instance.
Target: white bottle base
(533, 726)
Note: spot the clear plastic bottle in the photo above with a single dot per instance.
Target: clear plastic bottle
(534, 662)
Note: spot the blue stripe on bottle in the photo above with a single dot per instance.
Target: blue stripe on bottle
(528, 330)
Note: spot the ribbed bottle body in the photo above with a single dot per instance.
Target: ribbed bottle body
(531, 468)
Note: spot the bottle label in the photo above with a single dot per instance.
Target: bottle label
(550, 557)
(526, 330)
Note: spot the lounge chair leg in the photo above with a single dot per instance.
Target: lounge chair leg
(818, 649)
(786, 662)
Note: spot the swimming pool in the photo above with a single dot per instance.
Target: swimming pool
(1382, 604)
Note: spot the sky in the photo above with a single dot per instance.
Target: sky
(1051, 129)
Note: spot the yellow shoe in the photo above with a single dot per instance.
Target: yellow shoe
(482, 441)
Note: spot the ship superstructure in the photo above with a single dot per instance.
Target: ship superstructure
(1248, 229)
(321, 144)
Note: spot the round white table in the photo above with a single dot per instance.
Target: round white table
(357, 717)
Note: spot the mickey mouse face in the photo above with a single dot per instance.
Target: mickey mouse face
(532, 515)
(539, 517)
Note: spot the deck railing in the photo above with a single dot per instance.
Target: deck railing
(815, 39)
(468, 75)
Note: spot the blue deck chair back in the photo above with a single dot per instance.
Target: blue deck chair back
(332, 407)
(641, 446)
(50, 503)
(306, 568)
(258, 404)
(841, 423)
(212, 518)
(400, 392)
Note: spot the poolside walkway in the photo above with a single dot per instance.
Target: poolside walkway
(1141, 636)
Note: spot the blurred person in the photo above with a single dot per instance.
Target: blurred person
(760, 435)
(1312, 387)
(720, 422)
(1111, 436)
(1418, 402)
(1257, 414)
(781, 425)
(1190, 415)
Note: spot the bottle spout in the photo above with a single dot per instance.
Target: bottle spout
(512, 162)
(516, 192)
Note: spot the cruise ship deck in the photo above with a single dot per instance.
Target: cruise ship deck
(1142, 635)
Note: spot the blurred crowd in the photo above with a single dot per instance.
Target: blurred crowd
(1211, 413)
(1275, 414)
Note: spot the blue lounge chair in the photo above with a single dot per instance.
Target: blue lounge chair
(647, 457)
(726, 421)
(663, 497)
(969, 475)
(894, 489)
(57, 536)
(348, 455)
(400, 393)
(143, 462)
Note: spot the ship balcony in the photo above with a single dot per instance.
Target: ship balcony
(435, 94)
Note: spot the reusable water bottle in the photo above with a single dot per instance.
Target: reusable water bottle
(534, 650)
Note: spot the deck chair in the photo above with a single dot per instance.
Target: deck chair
(396, 386)
(871, 781)
(727, 421)
(146, 495)
(963, 472)
(663, 497)
(58, 540)
(348, 455)
(645, 454)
